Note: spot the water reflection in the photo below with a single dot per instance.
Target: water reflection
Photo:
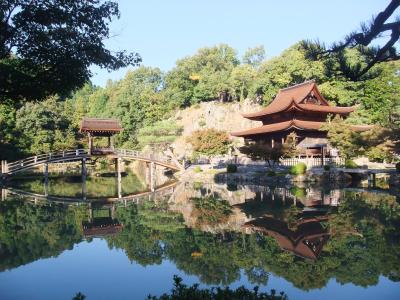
(306, 235)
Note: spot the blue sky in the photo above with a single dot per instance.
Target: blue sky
(162, 31)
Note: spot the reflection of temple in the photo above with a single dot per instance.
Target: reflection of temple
(102, 222)
(306, 241)
(293, 217)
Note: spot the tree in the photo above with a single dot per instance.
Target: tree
(261, 151)
(344, 138)
(202, 77)
(45, 127)
(254, 56)
(47, 47)
(210, 141)
(334, 56)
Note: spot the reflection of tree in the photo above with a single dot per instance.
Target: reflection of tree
(363, 245)
(210, 210)
(361, 248)
(29, 232)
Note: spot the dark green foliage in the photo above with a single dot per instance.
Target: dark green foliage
(364, 41)
(47, 47)
(398, 167)
(231, 168)
(327, 167)
(298, 169)
(184, 292)
(211, 210)
(350, 164)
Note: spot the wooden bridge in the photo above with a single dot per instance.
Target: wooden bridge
(82, 155)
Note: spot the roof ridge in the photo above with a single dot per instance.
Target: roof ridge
(297, 85)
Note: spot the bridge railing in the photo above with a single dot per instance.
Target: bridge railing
(43, 158)
(140, 155)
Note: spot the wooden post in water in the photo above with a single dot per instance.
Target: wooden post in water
(84, 175)
(118, 176)
(369, 180)
(46, 179)
(373, 180)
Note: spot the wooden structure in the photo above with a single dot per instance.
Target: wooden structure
(300, 109)
(95, 127)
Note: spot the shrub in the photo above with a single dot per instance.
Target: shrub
(210, 141)
(327, 167)
(298, 169)
(197, 169)
(350, 164)
(231, 168)
(232, 187)
(298, 192)
(271, 173)
(398, 167)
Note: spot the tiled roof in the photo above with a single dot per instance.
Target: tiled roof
(291, 98)
(100, 125)
(298, 124)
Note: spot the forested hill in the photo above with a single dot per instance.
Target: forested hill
(147, 96)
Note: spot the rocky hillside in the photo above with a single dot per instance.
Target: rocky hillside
(221, 116)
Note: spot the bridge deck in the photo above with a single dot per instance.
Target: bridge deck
(80, 154)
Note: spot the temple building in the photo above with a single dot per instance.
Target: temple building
(301, 109)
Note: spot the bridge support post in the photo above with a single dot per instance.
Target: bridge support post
(84, 175)
(46, 179)
(46, 172)
(4, 167)
(118, 175)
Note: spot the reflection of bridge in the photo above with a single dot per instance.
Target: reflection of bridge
(164, 190)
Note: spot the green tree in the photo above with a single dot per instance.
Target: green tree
(47, 47)
(45, 126)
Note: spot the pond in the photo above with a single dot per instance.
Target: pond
(308, 241)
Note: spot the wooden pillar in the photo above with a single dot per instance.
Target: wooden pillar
(373, 180)
(272, 142)
(3, 194)
(369, 179)
(90, 143)
(109, 142)
(46, 171)
(322, 156)
(46, 179)
(118, 176)
(84, 175)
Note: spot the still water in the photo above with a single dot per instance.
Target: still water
(309, 242)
